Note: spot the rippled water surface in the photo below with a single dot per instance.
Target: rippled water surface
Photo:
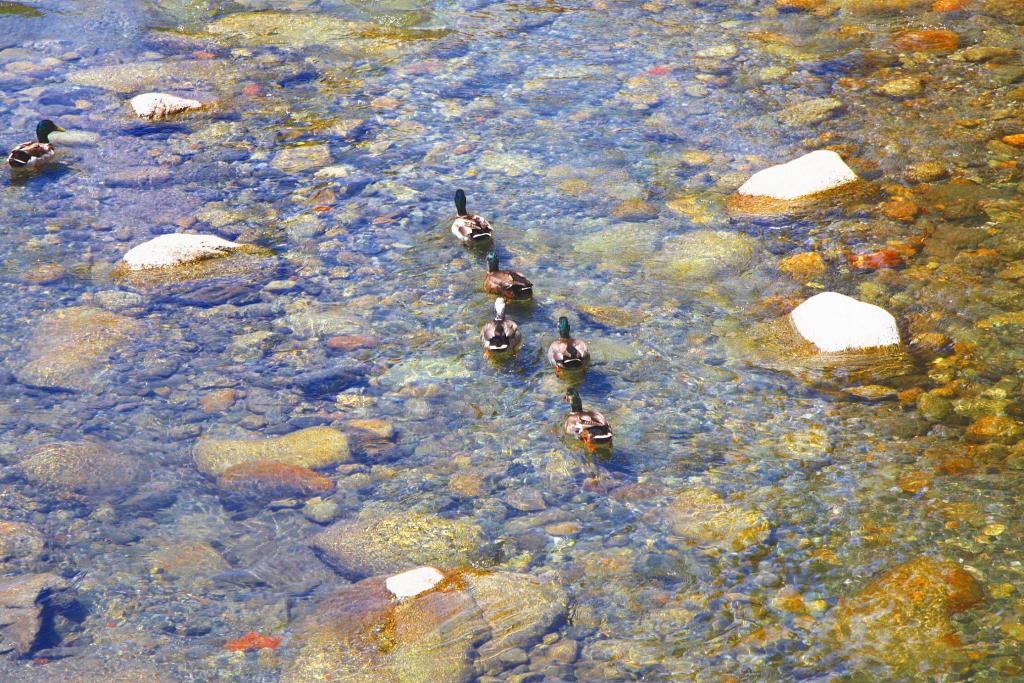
(754, 522)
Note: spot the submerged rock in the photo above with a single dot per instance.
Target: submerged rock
(69, 348)
(271, 480)
(314, 447)
(793, 186)
(22, 601)
(902, 618)
(704, 254)
(175, 249)
(392, 542)
(19, 541)
(701, 517)
(85, 467)
(363, 633)
(158, 105)
(136, 76)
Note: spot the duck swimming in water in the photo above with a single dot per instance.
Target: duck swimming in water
(469, 228)
(566, 353)
(33, 154)
(589, 426)
(508, 284)
(500, 335)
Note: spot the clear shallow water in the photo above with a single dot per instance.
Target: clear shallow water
(593, 136)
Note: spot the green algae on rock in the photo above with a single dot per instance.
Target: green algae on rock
(313, 447)
(394, 541)
(701, 517)
(702, 255)
(69, 348)
(84, 467)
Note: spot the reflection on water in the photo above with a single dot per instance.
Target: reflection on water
(754, 522)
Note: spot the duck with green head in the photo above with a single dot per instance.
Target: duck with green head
(500, 336)
(567, 353)
(508, 284)
(590, 427)
(468, 227)
(36, 153)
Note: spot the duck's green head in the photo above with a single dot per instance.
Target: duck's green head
(492, 262)
(460, 202)
(563, 327)
(572, 397)
(44, 128)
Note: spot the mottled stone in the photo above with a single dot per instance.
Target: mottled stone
(389, 543)
(69, 348)
(810, 112)
(701, 517)
(803, 266)
(157, 105)
(84, 467)
(186, 558)
(518, 608)
(19, 541)
(902, 618)
(302, 158)
(314, 447)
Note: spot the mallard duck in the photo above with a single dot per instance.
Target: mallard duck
(589, 426)
(507, 284)
(566, 353)
(29, 154)
(469, 228)
(500, 335)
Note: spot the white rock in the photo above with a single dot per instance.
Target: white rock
(812, 173)
(71, 138)
(835, 322)
(158, 105)
(413, 582)
(175, 249)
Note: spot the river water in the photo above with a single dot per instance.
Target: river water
(750, 524)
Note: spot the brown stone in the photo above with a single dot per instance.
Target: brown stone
(901, 209)
(351, 342)
(274, 480)
(997, 428)
(803, 266)
(926, 40)
(217, 401)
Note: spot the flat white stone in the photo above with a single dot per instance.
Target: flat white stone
(158, 105)
(812, 173)
(175, 249)
(71, 138)
(413, 582)
(835, 322)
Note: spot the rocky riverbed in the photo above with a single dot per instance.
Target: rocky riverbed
(220, 453)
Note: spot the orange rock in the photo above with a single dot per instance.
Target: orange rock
(351, 342)
(927, 40)
(997, 428)
(252, 641)
(914, 482)
(883, 258)
(1017, 140)
(799, 5)
(217, 401)
(803, 266)
(901, 209)
(274, 480)
(902, 618)
(949, 5)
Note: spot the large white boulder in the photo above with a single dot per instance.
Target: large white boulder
(175, 249)
(835, 322)
(158, 105)
(810, 174)
(413, 582)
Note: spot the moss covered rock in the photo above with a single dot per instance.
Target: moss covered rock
(701, 517)
(388, 543)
